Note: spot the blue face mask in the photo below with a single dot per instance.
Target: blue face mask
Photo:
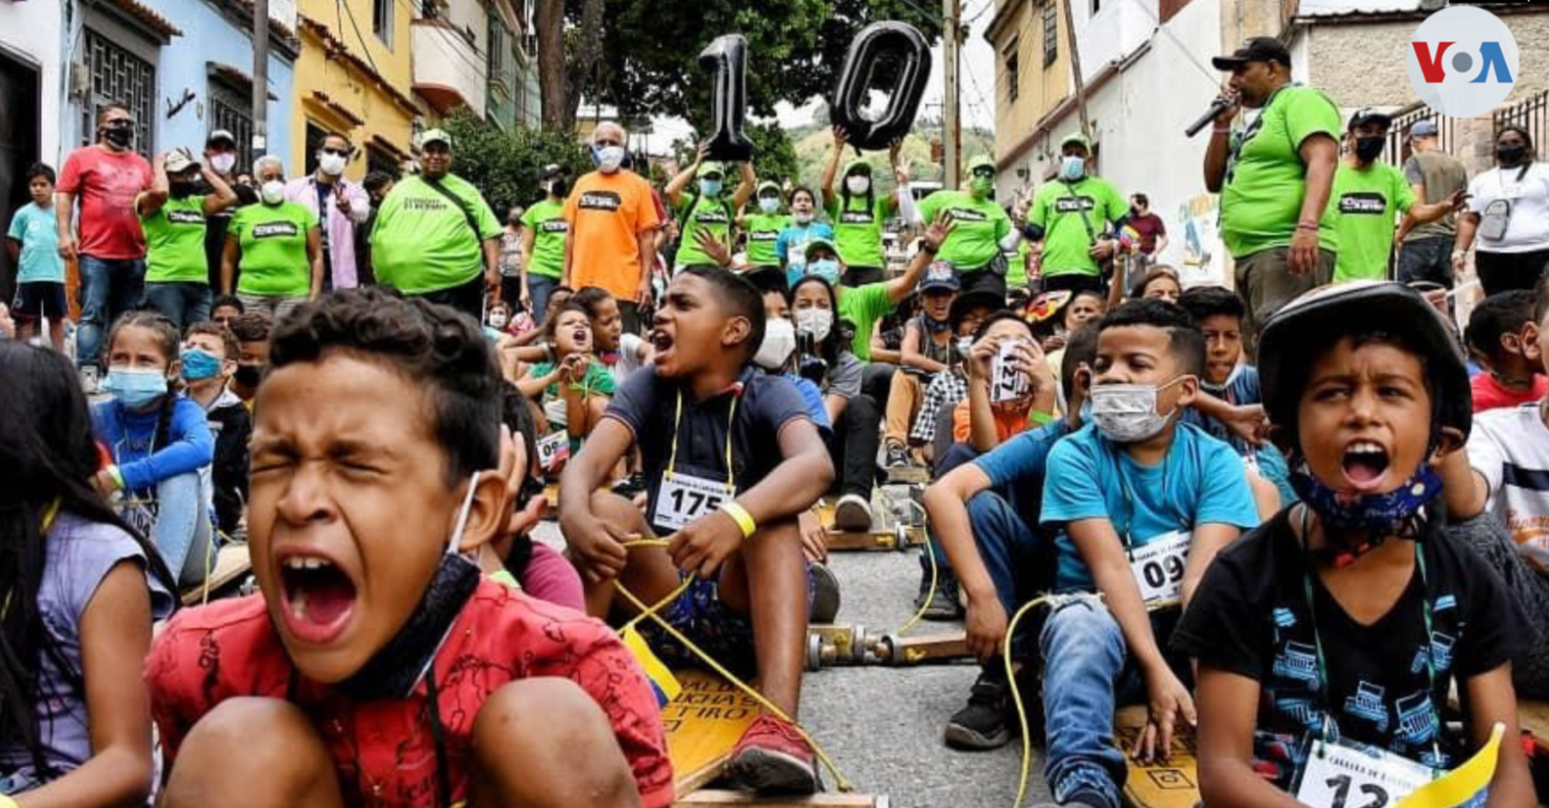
(199, 364)
(1379, 515)
(710, 187)
(825, 268)
(1072, 167)
(135, 389)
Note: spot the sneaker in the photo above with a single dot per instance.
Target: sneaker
(1080, 799)
(771, 758)
(944, 604)
(898, 456)
(825, 595)
(852, 514)
(982, 724)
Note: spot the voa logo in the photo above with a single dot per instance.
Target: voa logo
(1462, 61)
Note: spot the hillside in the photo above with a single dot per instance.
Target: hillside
(812, 144)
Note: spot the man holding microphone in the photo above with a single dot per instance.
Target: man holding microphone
(1275, 176)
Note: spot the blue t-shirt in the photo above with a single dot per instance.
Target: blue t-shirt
(1200, 481)
(791, 246)
(146, 459)
(1017, 466)
(37, 231)
(815, 406)
(1242, 388)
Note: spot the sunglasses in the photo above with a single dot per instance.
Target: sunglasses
(336, 152)
(984, 172)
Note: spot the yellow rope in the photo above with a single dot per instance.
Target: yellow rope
(650, 612)
(930, 595)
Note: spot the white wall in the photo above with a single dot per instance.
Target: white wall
(32, 32)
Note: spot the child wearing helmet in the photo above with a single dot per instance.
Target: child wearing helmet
(1326, 639)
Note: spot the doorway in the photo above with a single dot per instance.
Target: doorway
(20, 114)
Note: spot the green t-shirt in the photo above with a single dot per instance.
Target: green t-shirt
(547, 222)
(1368, 203)
(858, 230)
(422, 242)
(274, 249)
(1016, 263)
(597, 381)
(763, 231)
(863, 306)
(1058, 208)
(710, 214)
(1265, 184)
(979, 227)
(174, 242)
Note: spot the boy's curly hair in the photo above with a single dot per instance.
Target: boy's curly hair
(429, 345)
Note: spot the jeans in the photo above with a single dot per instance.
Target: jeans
(959, 454)
(182, 302)
(109, 288)
(466, 297)
(277, 307)
(1488, 537)
(1426, 259)
(181, 520)
(853, 447)
(1265, 281)
(540, 287)
(1504, 272)
(985, 280)
(1074, 282)
(877, 382)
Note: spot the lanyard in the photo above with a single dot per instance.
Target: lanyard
(1317, 640)
(672, 461)
(1129, 501)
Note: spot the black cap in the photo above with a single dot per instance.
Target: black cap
(1367, 116)
(220, 136)
(551, 171)
(1257, 49)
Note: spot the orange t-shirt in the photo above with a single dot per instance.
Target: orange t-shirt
(1007, 422)
(607, 213)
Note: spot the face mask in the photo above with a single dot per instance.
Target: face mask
(119, 136)
(499, 320)
(181, 190)
(223, 163)
(981, 186)
(331, 164)
(135, 389)
(1510, 155)
(1219, 390)
(802, 219)
(814, 323)
(559, 188)
(1126, 413)
(199, 364)
(825, 268)
(1072, 167)
(273, 192)
(1380, 515)
(857, 185)
(393, 671)
(964, 345)
(710, 187)
(779, 342)
(608, 158)
(1367, 148)
(769, 204)
(248, 375)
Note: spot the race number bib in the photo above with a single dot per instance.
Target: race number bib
(1006, 383)
(1340, 776)
(1159, 565)
(553, 450)
(682, 498)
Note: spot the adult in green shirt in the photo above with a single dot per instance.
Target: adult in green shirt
(1075, 218)
(707, 209)
(434, 233)
(1368, 196)
(543, 240)
(172, 214)
(858, 213)
(763, 227)
(279, 246)
(1275, 177)
(982, 229)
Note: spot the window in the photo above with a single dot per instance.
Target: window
(382, 21)
(229, 110)
(315, 137)
(1051, 31)
(119, 76)
(378, 159)
(1012, 68)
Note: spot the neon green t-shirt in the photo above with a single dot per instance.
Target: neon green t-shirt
(1016, 262)
(422, 242)
(863, 306)
(547, 222)
(1265, 184)
(274, 249)
(763, 231)
(1058, 207)
(174, 242)
(858, 230)
(1368, 203)
(711, 214)
(979, 227)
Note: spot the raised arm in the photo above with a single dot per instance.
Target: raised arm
(222, 198)
(831, 168)
(675, 186)
(1218, 151)
(152, 199)
(745, 188)
(898, 289)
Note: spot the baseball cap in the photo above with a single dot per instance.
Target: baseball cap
(768, 185)
(813, 245)
(1367, 116)
(1425, 128)
(980, 161)
(435, 136)
(551, 171)
(941, 275)
(1077, 138)
(710, 167)
(1257, 49)
(220, 136)
(180, 160)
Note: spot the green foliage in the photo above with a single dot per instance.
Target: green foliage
(774, 156)
(505, 165)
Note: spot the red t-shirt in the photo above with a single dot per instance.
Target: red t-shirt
(384, 751)
(107, 183)
(1149, 227)
(1490, 394)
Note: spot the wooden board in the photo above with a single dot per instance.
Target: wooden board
(1174, 784)
(880, 537)
(703, 725)
(232, 564)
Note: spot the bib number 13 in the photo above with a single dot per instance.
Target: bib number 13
(1368, 795)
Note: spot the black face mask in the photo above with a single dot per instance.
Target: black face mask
(119, 136)
(1510, 155)
(248, 375)
(182, 190)
(1367, 148)
(394, 670)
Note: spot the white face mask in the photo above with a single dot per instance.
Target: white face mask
(1126, 413)
(331, 164)
(273, 192)
(857, 184)
(223, 163)
(609, 158)
(964, 344)
(768, 204)
(779, 342)
(1072, 167)
(498, 320)
(802, 218)
(815, 323)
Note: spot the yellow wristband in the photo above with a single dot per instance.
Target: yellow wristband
(7, 802)
(737, 513)
(118, 477)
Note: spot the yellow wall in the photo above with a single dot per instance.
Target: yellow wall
(1040, 88)
(346, 86)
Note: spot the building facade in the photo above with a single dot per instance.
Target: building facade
(31, 93)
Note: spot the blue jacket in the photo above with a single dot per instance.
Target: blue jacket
(188, 445)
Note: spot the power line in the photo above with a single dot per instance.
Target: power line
(338, 4)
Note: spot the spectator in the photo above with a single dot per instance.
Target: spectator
(613, 220)
(377, 185)
(983, 229)
(220, 156)
(175, 214)
(1070, 221)
(33, 245)
(339, 205)
(279, 246)
(1433, 175)
(511, 256)
(543, 242)
(1499, 335)
(859, 213)
(1508, 210)
(1150, 227)
(105, 177)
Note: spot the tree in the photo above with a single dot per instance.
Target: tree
(504, 165)
(566, 64)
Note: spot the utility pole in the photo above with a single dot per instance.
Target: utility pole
(952, 133)
(1075, 66)
(260, 77)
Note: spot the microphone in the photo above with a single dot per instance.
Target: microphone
(1217, 107)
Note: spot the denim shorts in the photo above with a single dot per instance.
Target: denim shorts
(700, 616)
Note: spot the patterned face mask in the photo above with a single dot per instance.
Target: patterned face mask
(1379, 515)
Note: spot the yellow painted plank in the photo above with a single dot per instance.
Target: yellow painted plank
(1174, 784)
(703, 724)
